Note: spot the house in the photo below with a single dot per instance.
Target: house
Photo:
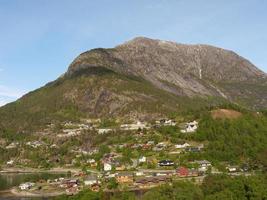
(92, 162)
(69, 183)
(35, 144)
(150, 182)
(120, 167)
(12, 145)
(54, 146)
(151, 142)
(165, 163)
(107, 167)
(95, 187)
(182, 146)
(136, 126)
(245, 168)
(193, 173)
(182, 172)
(203, 165)
(190, 127)
(169, 122)
(232, 169)
(103, 130)
(124, 177)
(142, 159)
(26, 186)
(72, 190)
(90, 180)
(194, 149)
(139, 173)
(10, 162)
(166, 122)
(159, 147)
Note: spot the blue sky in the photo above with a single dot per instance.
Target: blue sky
(39, 38)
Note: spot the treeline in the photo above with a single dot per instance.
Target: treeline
(235, 140)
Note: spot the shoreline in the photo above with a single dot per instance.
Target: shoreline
(13, 192)
(33, 170)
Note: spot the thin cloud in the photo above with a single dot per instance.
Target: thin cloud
(5, 100)
(10, 92)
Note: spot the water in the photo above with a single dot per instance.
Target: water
(10, 180)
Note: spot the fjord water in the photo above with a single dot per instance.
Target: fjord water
(9, 180)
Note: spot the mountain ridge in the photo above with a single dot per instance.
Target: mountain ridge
(184, 66)
(143, 78)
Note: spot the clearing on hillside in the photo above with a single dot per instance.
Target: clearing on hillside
(225, 114)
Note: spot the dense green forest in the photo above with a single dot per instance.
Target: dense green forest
(239, 140)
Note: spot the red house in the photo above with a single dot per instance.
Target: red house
(182, 172)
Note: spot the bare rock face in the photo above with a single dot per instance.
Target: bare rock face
(187, 70)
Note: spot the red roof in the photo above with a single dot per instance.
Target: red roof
(182, 171)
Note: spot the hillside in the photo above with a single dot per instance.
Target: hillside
(141, 79)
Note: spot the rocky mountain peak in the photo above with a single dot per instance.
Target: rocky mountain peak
(182, 69)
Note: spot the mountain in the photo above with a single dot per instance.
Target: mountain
(142, 78)
(185, 70)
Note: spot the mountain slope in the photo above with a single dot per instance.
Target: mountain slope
(94, 93)
(142, 78)
(185, 70)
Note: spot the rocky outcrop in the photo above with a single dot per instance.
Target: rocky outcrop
(188, 70)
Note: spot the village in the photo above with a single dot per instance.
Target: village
(141, 161)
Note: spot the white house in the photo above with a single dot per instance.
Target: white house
(182, 146)
(13, 145)
(139, 173)
(203, 165)
(166, 122)
(190, 127)
(11, 162)
(142, 159)
(135, 126)
(26, 186)
(169, 123)
(107, 167)
(90, 180)
(91, 161)
(103, 130)
(232, 169)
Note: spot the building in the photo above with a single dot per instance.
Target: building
(26, 186)
(95, 187)
(232, 169)
(12, 145)
(166, 122)
(104, 130)
(107, 167)
(150, 182)
(182, 172)
(10, 162)
(124, 177)
(92, 162)
(165, 163)
(136, 126)
(142, 159)
(194, 149)
(90, 180)
(190, 127)
(120, 167)
(182, 146)
(139, 173)
(203, 165)
(193, 173)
